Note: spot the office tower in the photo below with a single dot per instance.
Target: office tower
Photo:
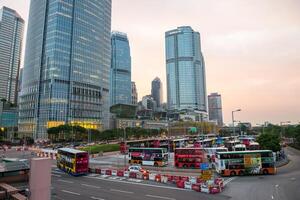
(215, 108)
(186, 84)
(11, 36)
(120, 82)
(67, 66)
(149, 103)
(134, 93)
(157, 91)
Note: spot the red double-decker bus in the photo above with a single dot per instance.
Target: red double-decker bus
(189, 157)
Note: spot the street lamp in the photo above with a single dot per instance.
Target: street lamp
(281, 123)
(232, 115)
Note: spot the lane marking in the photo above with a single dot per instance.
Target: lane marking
(64, 181)
(159, 197)
(69, 192)
(229, 180)
(276, 185)
(142, 184)
(92, 186)
(57, 172)
(97, 198)
(127, 192)
(272, 197)
(56, 175)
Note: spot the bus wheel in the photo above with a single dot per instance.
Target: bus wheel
(192, 166)
(155, 164)
(265, 172)
(241, 173)
(232, 173)
(184, 166)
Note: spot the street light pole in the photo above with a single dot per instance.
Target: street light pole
(232, 115)
(125, 146)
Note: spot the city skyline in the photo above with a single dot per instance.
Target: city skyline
(266, 45)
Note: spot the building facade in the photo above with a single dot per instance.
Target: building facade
(67, 66)
(120, 82)
(11, 36)
(157, 91)
(149, 103)
(134, 94)
(215, 108)
(186, 83)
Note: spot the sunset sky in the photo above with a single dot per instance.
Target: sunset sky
(251, 49)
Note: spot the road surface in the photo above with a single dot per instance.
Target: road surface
(285, 185)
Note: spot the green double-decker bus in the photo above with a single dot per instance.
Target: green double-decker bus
(234, 163)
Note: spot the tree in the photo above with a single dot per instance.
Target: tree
(269, 141)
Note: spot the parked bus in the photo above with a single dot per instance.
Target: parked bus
(72, 161)
(253, 146)
(211, 152)
(239, 147)
(245, 162)
(148, 156)
(189, 157)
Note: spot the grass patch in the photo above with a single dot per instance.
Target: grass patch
(102, 148)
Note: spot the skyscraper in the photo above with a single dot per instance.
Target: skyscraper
(11, 36)
(157, 91)
(67, 66)
(215, 108)
(120, 82)
(186, 84)
(134, 94)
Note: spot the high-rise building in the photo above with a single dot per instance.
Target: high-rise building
(215, 108)
(67, 66)
(186, 84)
(120, 81)
(134, 94)
(157, 91)
(149, 103)
(11, 36)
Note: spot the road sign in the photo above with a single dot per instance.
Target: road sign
(206, 175)
(204, 166)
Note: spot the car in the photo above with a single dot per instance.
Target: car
(137, 168)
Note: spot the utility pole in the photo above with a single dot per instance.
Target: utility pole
(232, 115)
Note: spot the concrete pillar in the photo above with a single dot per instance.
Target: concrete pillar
(40, 179)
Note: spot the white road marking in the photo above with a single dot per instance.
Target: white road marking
(56, 175)
(134, 183)
(276, 185)
(159, 197)
(272, 197)
(229, 180)
(97, 198)
(69, 192)
(92, 186)
(58, 172)
(127, 192)
(61, 180)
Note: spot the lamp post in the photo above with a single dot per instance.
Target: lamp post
(282, 129)
(232, 115)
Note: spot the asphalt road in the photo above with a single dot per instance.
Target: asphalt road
(285, 185)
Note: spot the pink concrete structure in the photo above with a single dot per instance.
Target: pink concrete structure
(40, 179)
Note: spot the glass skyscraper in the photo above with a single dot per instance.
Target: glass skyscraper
(67, 66)
(120, 82)
(157, 91)
(215, 108)
(11, 36)
(186, 84)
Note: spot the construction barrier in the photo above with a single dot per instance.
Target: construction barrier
(190, 183)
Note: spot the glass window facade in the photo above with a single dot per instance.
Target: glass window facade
(11, 36)
(186, 84)
(120, 83)
(215, 108)
(157, 91)
(67, 62)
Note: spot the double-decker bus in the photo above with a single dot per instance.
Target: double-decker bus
(157, 157)
(72, 161)
(211, 152)
(189, 157)
(245, 162)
